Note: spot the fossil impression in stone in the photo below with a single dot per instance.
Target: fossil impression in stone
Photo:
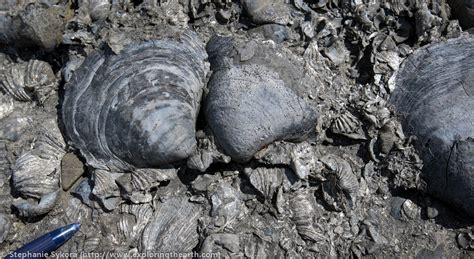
(265, 180)
(255, 96)
(173, 227)
(137, 108)
(342, 170)
(36, 173)
(434, 97)
(30, 80)
(303, 207)
(267, 11)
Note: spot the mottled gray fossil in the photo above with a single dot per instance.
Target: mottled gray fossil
(138, 108)
(265, 180)
(303, 206)
(434, 97)
(255, 96)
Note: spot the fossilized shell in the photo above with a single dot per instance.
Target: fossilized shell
(226, 205)
(303, 159)
(37, 171)
(27, 209)
(105, 189)
(138, 108)
(348, 125)
(265, 180)
(173, 227)
(303, 206)
(434, 97)
(346, 179)
(206, 154)
(136, 186)
(142, 214)
(23, 81)
(256, 100)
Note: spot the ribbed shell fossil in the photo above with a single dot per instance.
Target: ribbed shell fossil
(346, 179)
(138, 108)
(347, 125)
(255, 101)
(265, 180)
(434, 97)
(173, 227)
(36, 173)
(303, 206)
(23, 81)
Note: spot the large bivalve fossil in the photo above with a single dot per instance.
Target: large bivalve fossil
(434, 95)
(256, 96)
(137, 108)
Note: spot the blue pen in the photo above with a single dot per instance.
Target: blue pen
(45, 244)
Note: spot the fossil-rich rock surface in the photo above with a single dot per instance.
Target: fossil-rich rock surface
(238, 129)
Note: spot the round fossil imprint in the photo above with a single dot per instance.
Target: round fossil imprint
(138, 108)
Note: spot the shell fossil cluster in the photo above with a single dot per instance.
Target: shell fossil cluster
(240, 129)
(434, 96)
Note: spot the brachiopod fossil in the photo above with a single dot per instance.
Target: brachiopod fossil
(346, 179)
(173, 227)
(36, 173)
(265, 180)
(434, 96)
(254, 97)
(138, 108)
(303, 206)
(348, 125)
(23, 81)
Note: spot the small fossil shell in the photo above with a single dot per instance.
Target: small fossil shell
(138, 108)
(303, 206)
(347, 125)
(303, 159)
(346, 179)
(105, 189)
(434, 98)
(265, 180)
(142, 213)
(145, 179)
(27, 209)
(23, 81)
(173, 227)
(37, 171)
(253, 104)
(226, 205)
